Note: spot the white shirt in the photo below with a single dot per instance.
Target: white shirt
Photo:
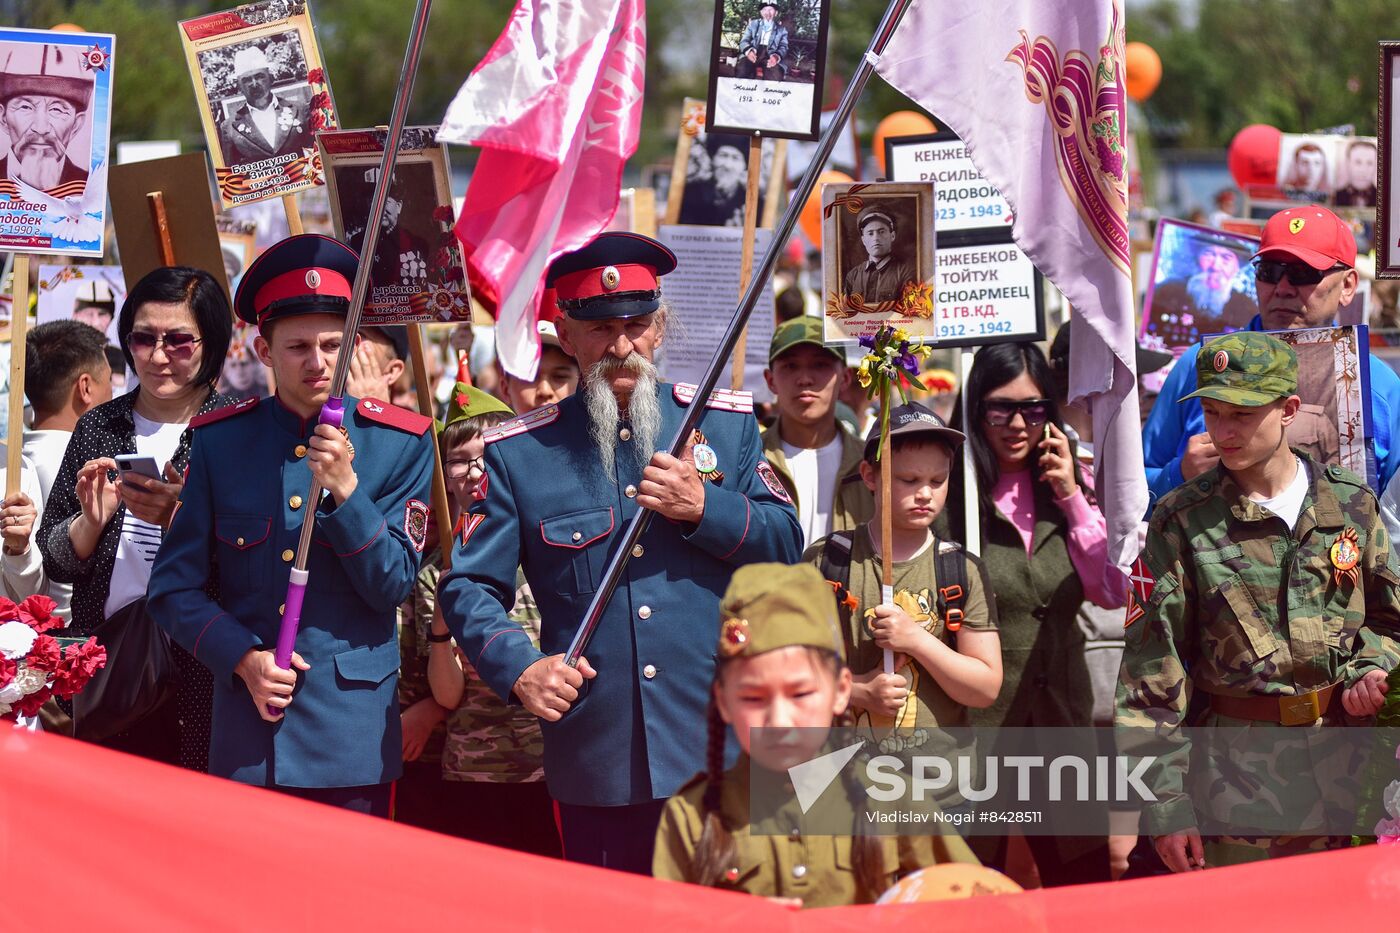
(1288, 505)
(265, 120)
(814, 478)
(45, 449)
(139, 541)
(765, 34)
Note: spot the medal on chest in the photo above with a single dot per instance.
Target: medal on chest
(706, 460)
(1345, 554)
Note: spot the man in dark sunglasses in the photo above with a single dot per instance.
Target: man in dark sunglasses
(1305, 273)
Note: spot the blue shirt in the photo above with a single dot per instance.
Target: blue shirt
(1173, 423)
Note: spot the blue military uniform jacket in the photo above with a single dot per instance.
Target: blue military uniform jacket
(638, 732)
(237, 525)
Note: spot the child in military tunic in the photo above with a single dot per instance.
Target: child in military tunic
(1266, 597)
(779, 665)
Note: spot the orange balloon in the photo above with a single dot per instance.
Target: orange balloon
(67, 27)
(1142, 70)
(811, 216)
(899, 123)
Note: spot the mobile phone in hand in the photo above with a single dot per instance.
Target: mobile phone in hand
(134, 463)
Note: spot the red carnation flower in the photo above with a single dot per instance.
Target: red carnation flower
(443, 213)
(29, 705)
(8, 670)
(321, 101)
(45, 655)
(79, 663)
(9, 612)
(316, 76)
(38, 613)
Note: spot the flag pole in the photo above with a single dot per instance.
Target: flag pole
(333, 412)
(617, 561)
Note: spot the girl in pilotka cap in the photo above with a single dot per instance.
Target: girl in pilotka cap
(780, 668)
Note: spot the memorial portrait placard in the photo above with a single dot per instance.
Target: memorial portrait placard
(768, 67)
(1201, 283)
(417, 273)
(263, 96)
(966, 205)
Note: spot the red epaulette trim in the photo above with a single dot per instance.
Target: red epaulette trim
(721, 399)
(523, 424)
(228, 411)
(382, 412)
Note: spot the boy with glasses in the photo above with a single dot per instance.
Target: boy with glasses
(1304, 275)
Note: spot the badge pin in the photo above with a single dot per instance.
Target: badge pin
(1222, 361)
(733, 636)
(1346, 554)
(611, 278)
(706, 461)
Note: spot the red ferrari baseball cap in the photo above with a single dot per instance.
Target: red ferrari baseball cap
(1313, 235)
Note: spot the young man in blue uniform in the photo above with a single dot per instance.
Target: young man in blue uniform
(1304, 275)
(562, 483)
(333, 731)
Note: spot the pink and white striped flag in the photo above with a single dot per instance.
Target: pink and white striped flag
(556, 108)
(1035, 90)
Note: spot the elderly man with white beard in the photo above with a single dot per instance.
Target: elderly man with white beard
(626, 728)
(44, 94)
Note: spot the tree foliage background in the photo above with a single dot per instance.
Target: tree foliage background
(363, 43)
(1298, 65)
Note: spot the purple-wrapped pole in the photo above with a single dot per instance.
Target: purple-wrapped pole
(333, 412)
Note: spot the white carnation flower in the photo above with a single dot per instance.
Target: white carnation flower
(16, 639)
(1391, 798)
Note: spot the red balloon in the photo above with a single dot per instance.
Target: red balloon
(1254, 155)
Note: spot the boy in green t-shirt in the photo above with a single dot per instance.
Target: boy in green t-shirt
(942, 666)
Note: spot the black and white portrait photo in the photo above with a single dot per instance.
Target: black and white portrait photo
(767, 66)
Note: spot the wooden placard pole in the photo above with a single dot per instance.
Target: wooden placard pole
(289, 204)
(160, 220)
(972, 518)
(425, 407)
(736, 378)
(886, 519)
(19, 326)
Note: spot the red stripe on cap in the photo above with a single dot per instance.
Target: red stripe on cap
(299, 284)
(579, 286)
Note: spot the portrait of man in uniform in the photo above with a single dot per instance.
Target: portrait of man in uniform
(402, 254)
(716, 181)
(45, 99)
(1306, 167)
(264, 122)
(1357, 184)
(877, 269)
(1199, 287)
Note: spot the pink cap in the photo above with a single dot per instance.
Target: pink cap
(1313, 235)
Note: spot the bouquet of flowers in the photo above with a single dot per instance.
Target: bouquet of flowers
(1382, 765)
(893, 362)
(33, 664)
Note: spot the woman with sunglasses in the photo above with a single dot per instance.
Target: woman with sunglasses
(1045, 546)
(102, 526)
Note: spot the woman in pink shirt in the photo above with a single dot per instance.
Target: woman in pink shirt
(1044, 544)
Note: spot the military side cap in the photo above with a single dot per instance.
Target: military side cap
(468, 402)
(615, 276)
(1245, 368)
(307, 274)
(913, 418)
(800, 330)
(873, 213)
(771, 606)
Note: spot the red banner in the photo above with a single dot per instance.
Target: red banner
(97, 840)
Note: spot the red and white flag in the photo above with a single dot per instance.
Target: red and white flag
(1035, 90)
(556, 108)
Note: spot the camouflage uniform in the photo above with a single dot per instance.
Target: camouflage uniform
(1229, 603)
(413, 652)
(486, 740)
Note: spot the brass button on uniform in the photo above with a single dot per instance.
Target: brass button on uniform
(644, 612)
(799, 871)
(796, 833)
(625, 434)
(630, 492)
(294, 502)
(577, 536)
(282, 609)
(239, 542)
(300, 451)
(638, 551)
(649, 671)
(288, 554)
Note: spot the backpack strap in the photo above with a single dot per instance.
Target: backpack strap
(951, 568)
(836, 570)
